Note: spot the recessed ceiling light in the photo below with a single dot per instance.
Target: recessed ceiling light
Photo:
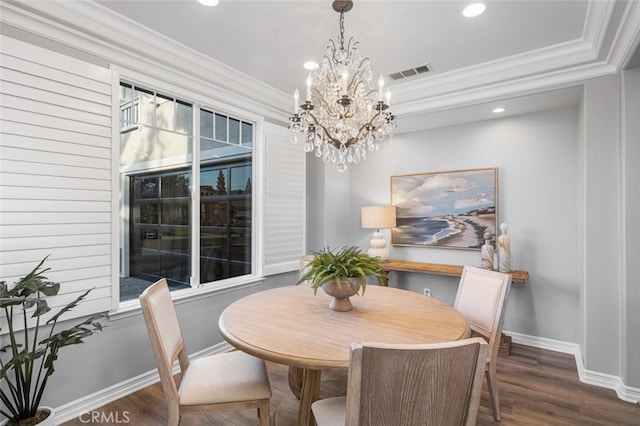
(474, 9)
(209, 3)
(498, 110)
(311, 65)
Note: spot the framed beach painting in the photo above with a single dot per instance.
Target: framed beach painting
(450, 209)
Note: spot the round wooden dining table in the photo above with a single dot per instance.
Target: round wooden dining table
(290, 326)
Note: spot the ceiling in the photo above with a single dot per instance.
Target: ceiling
(271, 40)
(513, 41)
(526, 55)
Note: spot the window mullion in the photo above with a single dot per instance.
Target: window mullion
(195, 199)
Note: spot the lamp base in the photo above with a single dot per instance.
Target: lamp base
(378, 246)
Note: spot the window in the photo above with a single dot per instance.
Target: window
(225, 221)
(129, 107)
(157, 139)
(159, 233)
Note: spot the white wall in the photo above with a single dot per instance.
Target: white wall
(631, 194)
(602, 220)
(327, 205)
(537, 198)
(122, 351)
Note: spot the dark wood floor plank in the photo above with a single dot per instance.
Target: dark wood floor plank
(537, 387)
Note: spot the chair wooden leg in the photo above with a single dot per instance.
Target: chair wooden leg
(492, 386)
(174, 417)
(264, 413)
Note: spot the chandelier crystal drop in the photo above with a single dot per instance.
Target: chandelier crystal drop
(343, 115)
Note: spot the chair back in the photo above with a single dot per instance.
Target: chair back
(481, 299)
(165, 335)
(415, 384)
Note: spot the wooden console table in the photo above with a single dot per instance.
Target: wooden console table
(439, 269)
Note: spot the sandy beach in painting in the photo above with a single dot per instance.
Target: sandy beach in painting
(470, 229)
(455, 231)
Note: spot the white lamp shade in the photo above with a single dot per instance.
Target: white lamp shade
(378, 217)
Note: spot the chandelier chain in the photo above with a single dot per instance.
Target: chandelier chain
(341, 31)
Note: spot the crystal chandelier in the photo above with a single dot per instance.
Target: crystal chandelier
(343, 115)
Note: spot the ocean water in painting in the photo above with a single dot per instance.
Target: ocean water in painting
(424, 231)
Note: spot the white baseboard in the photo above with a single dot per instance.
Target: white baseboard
(544, 343)
(96, 400)
(624, 392)
(603, 380)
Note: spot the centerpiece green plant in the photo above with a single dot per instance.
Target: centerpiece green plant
(27, 361)
(341, 265)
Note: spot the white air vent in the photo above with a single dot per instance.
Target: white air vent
(421, 69)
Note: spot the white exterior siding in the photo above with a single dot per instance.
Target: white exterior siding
(55, 171)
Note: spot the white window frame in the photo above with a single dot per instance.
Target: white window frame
(130, 307)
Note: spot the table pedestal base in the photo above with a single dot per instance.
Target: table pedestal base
(289, 412)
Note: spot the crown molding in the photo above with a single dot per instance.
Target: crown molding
(501, 89)
(627, 38)
(609, 35)
(529, 71)
(99, 32)
(599, 14)
(608, 39)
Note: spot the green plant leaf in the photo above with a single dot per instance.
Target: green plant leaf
(24, 375)
(69, 306)
(5, 302)
(340, 265)
(42, 307)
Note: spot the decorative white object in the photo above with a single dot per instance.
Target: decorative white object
(487, 252)
(343, 115)
(378, 217)
(504, 250)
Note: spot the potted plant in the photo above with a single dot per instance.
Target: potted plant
(27, 360)
(341, 273)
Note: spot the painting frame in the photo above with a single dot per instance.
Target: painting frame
(446, 209)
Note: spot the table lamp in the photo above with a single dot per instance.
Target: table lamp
(378, 217)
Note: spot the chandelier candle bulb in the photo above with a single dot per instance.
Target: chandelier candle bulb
(388, 96)
(380, 87)
(344, 78)
(296, 101)
(309, 81)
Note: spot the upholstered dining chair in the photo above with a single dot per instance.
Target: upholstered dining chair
(435, 384)
(226, 381)
(481, 299)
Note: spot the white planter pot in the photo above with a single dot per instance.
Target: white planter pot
(49, 421)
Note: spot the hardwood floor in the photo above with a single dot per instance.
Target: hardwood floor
(537, 387)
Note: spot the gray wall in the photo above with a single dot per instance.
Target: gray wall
(568, 190)
(122, 350)
(542, 166)
(537, 198)
(631, 194)
(601, 227)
